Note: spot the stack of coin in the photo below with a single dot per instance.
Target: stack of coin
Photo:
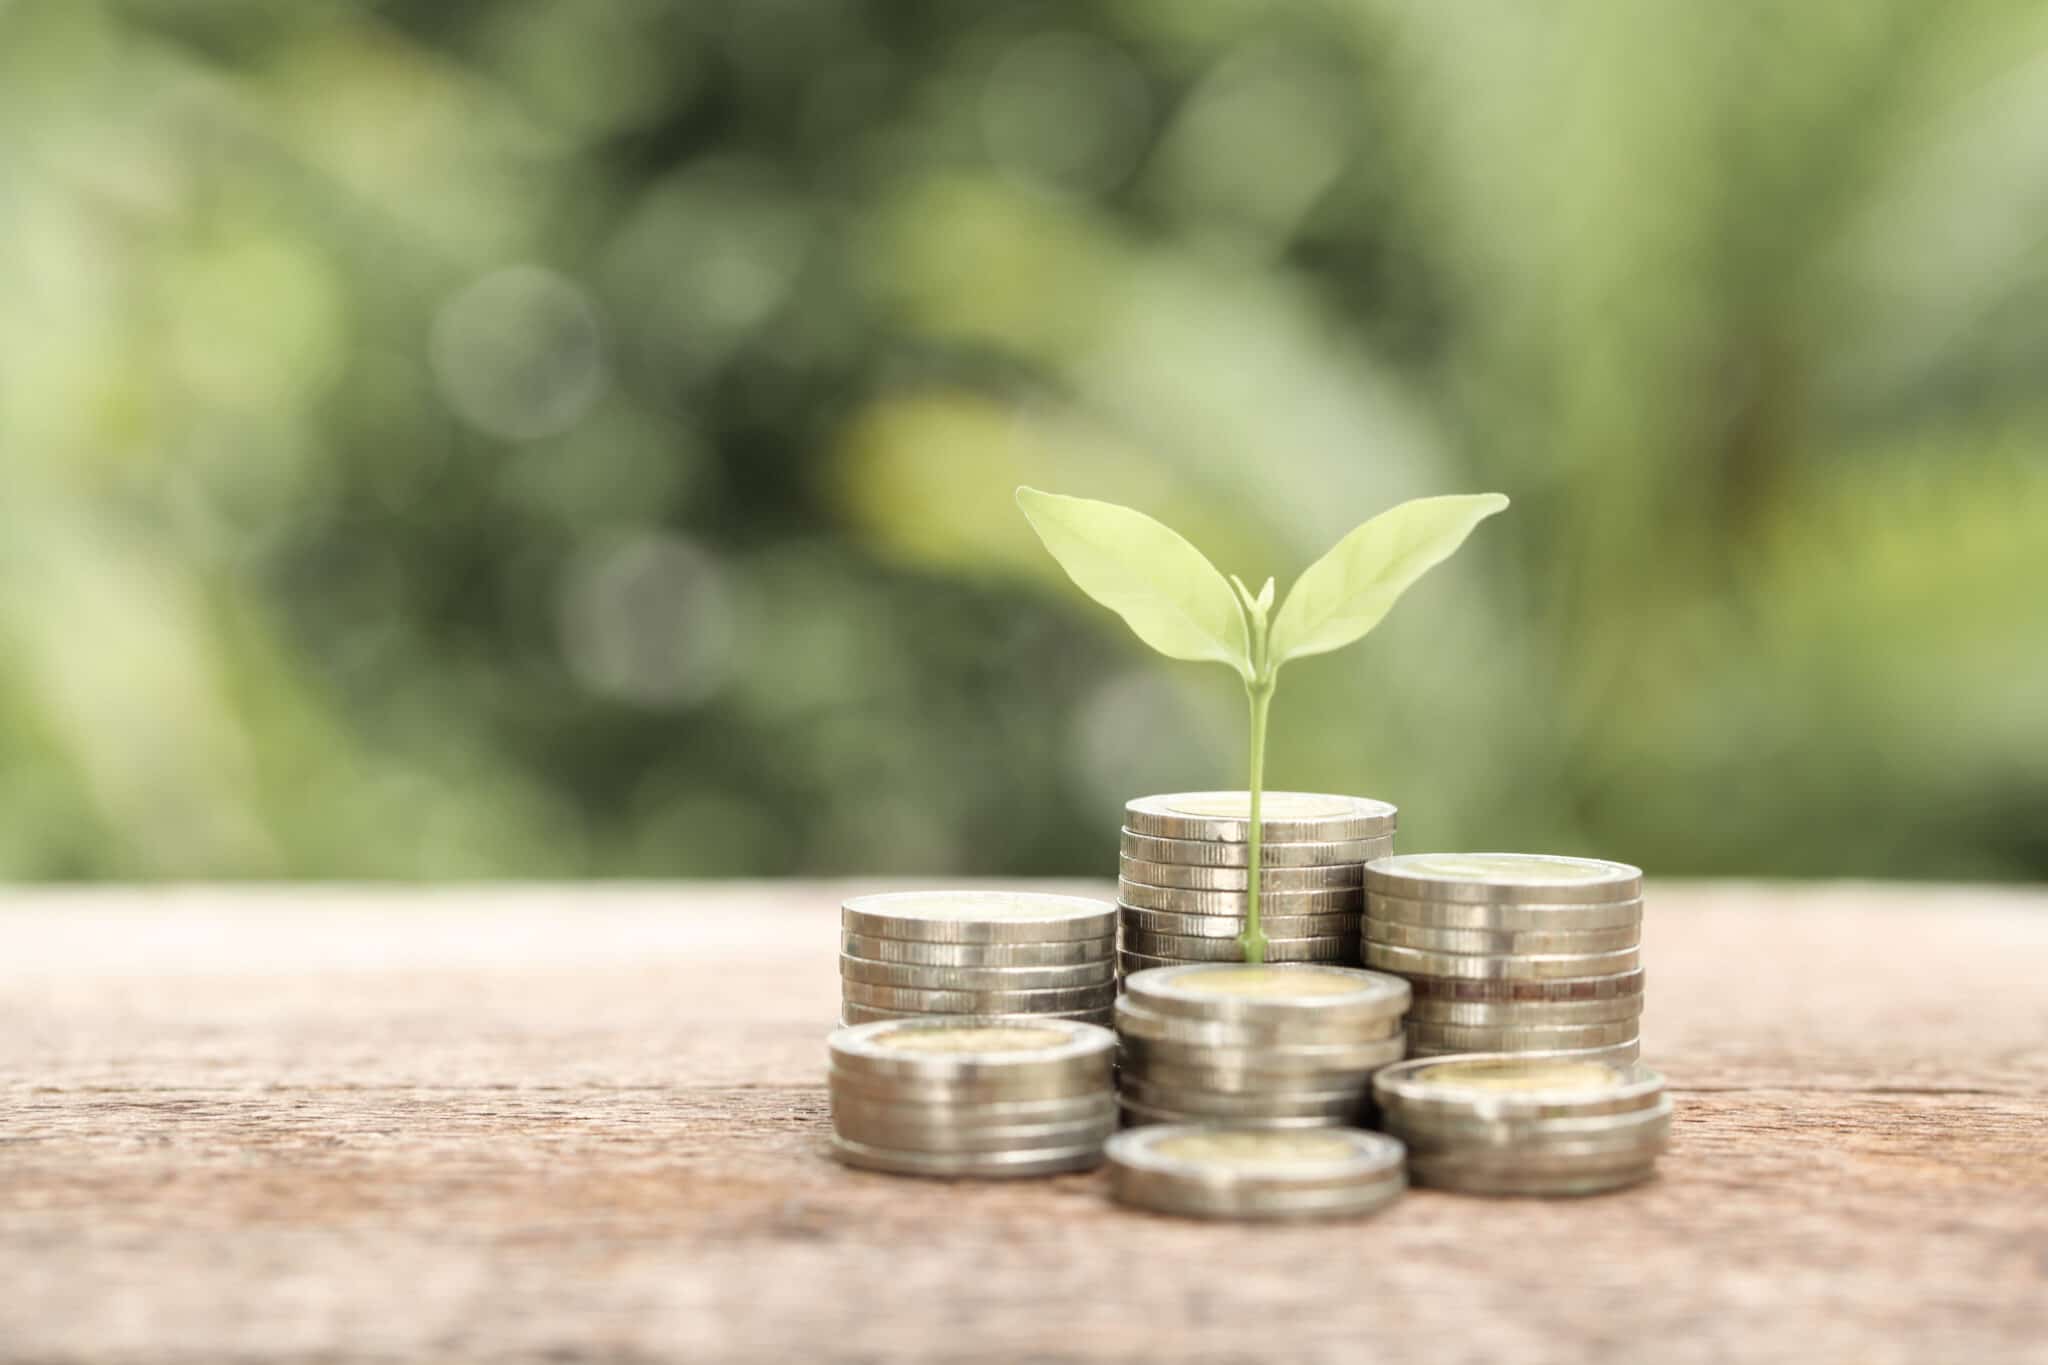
(982, 953)
(1292, 1045)
(977, 1097)
(1203, 1172)
(1524, 1123)
(1184, 878)
(1511, 952)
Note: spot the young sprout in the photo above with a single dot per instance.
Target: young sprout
(1176, 601)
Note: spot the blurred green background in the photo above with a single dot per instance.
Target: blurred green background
(532, 438)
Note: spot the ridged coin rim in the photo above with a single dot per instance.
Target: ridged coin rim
(967, 1165)
(1349, 854)
(1341, 877)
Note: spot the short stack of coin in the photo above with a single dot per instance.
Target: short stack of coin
(1511, 952)
(910, 954)
(1289, 1045)
(1184, 877)
(1209, 1172)
(974, 1097)
(1525, 1123)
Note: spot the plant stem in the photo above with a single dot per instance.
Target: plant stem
(1254, 937)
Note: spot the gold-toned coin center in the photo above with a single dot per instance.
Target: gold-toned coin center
(1255, 1150)
(1510, 1074)
(971, 1039)
(1264, 981)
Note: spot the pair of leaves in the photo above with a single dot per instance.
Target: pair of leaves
(1177, 602)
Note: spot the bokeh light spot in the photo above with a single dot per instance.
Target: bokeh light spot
(1066, 109)
(647, 620)
(518, 354)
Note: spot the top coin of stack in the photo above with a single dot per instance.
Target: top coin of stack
(982, 953)
(975, 1097)
(1184, 878)
(1524, 1123)
(1511, 952)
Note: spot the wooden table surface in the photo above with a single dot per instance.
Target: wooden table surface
(566, 1124)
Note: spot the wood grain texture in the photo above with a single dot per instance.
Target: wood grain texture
(556, 1124)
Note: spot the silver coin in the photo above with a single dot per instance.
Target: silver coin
(1508, 942)
(1136, 1113)
(1335, 1032)
(955, 1111)
(1278, 1061)
(1519, 1139)
(1451, 1173)
(920, 1137)
(1523, 1038)
(1342, 924)
(934, 1051)
(1256, 1169)
(1208, 1081)
(1513, 1151)
(1181, 901)
(1284, 817)
(1557, 1158)
(1516, 1085)
(978, 1002)
(1231, 1173)
(1302, 951)
(1051, 1086)
(1344, 877)
(976, 978)
(1524, 1013)
(850, 1014)
(1266, 1067)
(1283, 1206)
(1201, 1153)
(976, 1165)
(977, 916)
(1129, 964)
(1413, 962)
(1622, 1053)
(1504, 878)
(1217, 1105)
(1349, 855)
(1519, 990)
(1269, 994)
(852, 1106)
(1502, 918)
(1630, 1051)
(1227, 950)
(1065, 953)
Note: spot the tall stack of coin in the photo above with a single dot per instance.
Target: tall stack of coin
(1292, 1045)
(976, 1097)
(1185, 880)
(1205, 1172)
(988, 953)
(1511, 952)
(1514, 1123)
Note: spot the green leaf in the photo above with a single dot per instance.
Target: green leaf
(1146, 573)
(1346, 593)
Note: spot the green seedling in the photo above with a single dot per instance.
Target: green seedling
(1178, 603)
